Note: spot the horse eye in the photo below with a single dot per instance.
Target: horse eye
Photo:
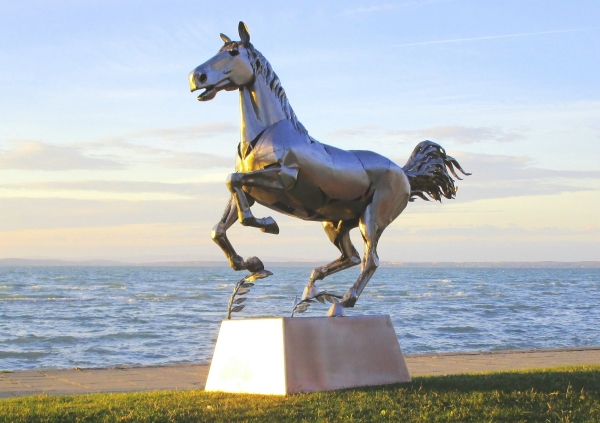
(234, 52)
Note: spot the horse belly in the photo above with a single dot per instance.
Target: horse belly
(296, 206)
(308, 202)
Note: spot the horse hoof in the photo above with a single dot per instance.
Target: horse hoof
(310, 291)
(336, 310)
(237, 263)
(348, 300)
(271, 226)
(253, 264)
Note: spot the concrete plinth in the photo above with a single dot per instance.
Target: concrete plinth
(305, 354)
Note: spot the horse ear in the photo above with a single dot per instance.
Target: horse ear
(225, 38)
(244, 34)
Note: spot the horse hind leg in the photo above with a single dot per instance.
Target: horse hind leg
(339, 235)
(387, 204)
(370, 261)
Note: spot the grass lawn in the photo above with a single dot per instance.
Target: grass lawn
(562, 394)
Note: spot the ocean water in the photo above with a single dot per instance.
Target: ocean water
(64, 317)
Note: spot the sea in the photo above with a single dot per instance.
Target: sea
(66, 317)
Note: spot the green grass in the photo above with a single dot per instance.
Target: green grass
(562, 394)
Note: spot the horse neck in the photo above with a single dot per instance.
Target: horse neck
(260, 108)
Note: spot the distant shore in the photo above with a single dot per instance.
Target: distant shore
(11, 262)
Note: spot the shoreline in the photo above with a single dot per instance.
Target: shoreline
(20, 383)
(417, 355)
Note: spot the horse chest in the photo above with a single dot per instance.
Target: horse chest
(258, 158)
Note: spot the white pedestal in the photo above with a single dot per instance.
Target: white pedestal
(305, 354)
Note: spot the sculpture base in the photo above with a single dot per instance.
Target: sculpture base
(282, 356)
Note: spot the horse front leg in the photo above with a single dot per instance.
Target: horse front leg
(219, 236)
(272, 179)
(389, 200)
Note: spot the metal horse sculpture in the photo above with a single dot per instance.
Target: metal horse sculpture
(283, 168)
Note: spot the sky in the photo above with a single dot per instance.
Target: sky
(105, 154)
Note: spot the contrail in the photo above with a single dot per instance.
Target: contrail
(491, 37)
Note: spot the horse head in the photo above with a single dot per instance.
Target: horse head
(228, 70)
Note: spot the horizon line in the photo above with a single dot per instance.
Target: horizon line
(16, 262)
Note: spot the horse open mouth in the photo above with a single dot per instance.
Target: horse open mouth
(208, 94)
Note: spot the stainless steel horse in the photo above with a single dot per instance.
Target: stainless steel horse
(283, 168)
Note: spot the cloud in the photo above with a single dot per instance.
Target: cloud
(472, 192)
(498, 176)
(36, 155)
(461, 134)
(181, 160)
(162, 146)
(175, 134)
(176, 159)
(38, 213)
(359, 131)
(386, 7)
(490, 168)
(191, 189)
(456, 133)
(494, 232)
(492, 37)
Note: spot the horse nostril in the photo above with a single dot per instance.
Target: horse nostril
(202, 78)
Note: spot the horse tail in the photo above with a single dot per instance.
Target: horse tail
(427, 171)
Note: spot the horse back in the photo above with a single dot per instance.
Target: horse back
(338, 173)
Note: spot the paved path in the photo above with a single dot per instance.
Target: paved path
(484, 361)
(193, 376)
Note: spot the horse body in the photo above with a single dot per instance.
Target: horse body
(281, 167)
(325, 183)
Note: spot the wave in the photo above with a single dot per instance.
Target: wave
(458, 329)
(23, 354)
(107, 316)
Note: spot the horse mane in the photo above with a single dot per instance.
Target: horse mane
(261, 66)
